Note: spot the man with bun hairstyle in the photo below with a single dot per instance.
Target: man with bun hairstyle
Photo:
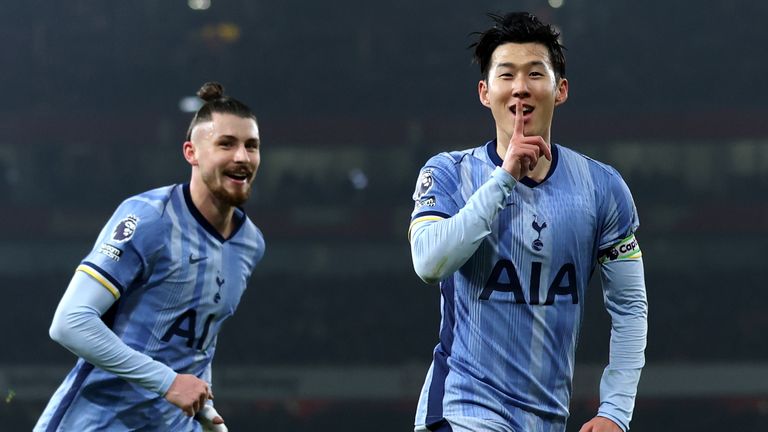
(144, 308)
(512, 230)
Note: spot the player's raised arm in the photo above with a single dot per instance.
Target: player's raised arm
(443, 239)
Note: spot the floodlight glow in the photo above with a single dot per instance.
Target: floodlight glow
(199, 4)
(358, 178)
(556, 3)
(190, 104)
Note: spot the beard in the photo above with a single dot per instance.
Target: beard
(234, 199)
(229, 198)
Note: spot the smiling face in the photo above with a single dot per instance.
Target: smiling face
(224, 154)
(522, 71)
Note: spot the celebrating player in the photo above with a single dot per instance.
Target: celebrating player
(512, 230)
(144, 308)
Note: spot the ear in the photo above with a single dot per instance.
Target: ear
(189, 152)
(561, 93)
(482, 93)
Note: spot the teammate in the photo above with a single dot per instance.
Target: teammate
(144, 308)
(512, 230)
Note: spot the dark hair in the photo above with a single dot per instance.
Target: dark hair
(215, 102)
(518, 27)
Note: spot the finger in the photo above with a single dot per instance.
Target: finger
(189, 412)
(519, 122)
(545, 149)
(530, 152)
(541, 144)
(525, 164)
(218, 420)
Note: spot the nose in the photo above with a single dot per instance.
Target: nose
(520, 88)
(241, 154)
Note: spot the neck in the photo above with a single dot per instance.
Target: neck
(218, 214)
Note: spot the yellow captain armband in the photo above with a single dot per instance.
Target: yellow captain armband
(421, 219)
(626, 249)
(100, 279)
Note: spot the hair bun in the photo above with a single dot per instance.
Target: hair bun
(210, 91)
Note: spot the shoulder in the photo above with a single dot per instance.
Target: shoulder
(142, 213)
(443, 161)
(252, 240)
(604, 176)
(450, 159)
(254, 233)
(441, 169)
(150, 203)
(569, 155)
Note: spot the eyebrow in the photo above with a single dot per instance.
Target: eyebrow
(234, 138)
(514, 65)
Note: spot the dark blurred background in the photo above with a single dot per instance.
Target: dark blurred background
(335, 332)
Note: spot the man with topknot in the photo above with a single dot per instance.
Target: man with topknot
(144, 307)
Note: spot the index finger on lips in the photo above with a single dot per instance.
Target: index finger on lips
(519, 122)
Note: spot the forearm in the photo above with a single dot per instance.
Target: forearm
(77, 325)
(626, 302)
(439, 248)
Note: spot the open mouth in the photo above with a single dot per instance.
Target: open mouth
(240, 176)
(527, 109)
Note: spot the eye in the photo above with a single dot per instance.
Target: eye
(536, 74)
(505, 75)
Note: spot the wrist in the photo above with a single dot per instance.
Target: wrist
(504, 179)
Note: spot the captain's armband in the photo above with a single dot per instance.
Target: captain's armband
(625, 249)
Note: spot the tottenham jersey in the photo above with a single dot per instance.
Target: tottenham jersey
(511, 313)
(176, 280)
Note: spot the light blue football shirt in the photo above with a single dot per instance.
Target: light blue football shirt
(175, 280)
(511, 313)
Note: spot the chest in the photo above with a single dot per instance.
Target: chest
(202, 272)
(546, 222)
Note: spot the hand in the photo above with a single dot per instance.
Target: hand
(210, 419)
(600, 424)
(523, 152)
(189, 393)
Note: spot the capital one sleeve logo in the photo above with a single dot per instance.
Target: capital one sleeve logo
(125, 229)
(625, 249)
